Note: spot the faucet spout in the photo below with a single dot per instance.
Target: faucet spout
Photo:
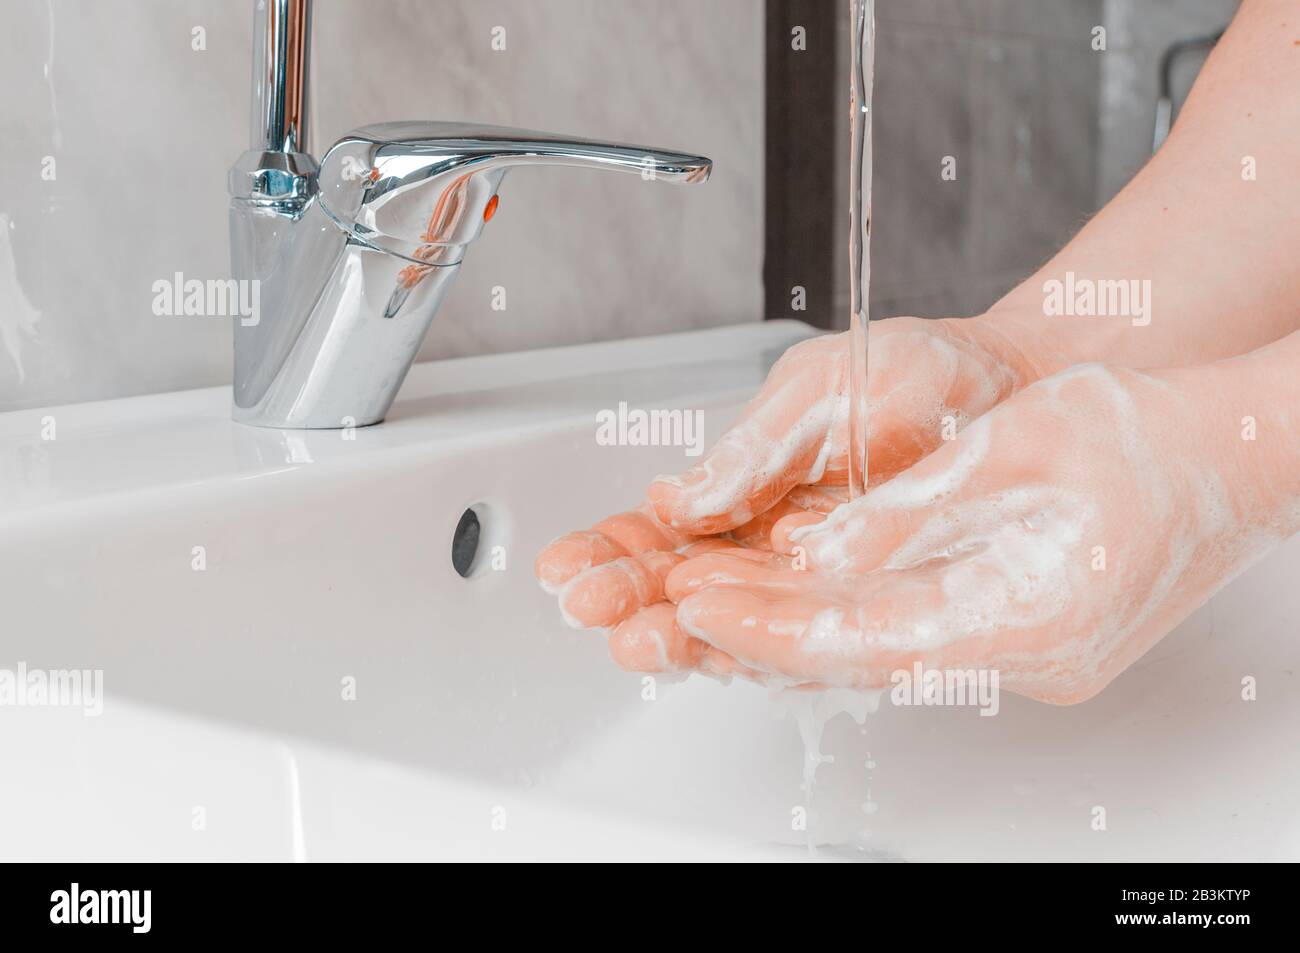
(355, 255)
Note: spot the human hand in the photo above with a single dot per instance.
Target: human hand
(612, 576)
(1055, 540)
(921, 371)
(922, 374)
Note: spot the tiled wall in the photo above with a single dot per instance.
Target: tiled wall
(1010, 90)
(1043, 128)
(1140, 31)
(142, 129)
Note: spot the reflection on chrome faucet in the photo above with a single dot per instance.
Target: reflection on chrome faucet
(356, 254)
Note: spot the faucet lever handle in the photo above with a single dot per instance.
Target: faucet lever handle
(421, 189)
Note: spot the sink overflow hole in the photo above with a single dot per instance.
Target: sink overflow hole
(464, 542)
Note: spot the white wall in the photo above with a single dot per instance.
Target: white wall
(142, 129)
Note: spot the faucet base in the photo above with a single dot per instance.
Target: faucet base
(340, 322)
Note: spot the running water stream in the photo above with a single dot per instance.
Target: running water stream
(812, 710)
(863, 38)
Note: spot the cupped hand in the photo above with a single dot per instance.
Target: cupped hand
(1055, 540)
(924, 377)
(787, 454)
(612, 577)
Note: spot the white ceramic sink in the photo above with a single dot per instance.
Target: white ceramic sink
(225, 733)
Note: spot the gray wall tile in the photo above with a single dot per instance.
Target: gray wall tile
(1044, 130)
(1138, 33)
(582, 256)
(1010, 89)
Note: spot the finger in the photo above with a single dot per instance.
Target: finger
(867, 533)
(925, 378)
(763, 631)
(803, 636)
(781, 541)
(857, 631)
(715, 544)
(623, 534)
(858, 537)
(783, 438)
(639, 531)
(572, 554)
(815, 503)
(731, 569)
(650, 641)
(818, 499)
(710, 544)
(607, 594)
(757, 533)
(722, 665)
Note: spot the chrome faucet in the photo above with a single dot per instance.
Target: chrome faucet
(354, 255)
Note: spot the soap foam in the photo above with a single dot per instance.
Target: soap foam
(755, 457)
(812, 711)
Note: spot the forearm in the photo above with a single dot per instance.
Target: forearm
(1243, 416)
(1208, 229)
(1223, 474)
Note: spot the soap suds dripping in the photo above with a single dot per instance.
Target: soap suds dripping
(812, 711)
(18, 316)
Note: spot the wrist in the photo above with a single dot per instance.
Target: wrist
(1018, 339)
(1237, 417)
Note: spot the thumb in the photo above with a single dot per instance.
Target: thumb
(785, 437)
